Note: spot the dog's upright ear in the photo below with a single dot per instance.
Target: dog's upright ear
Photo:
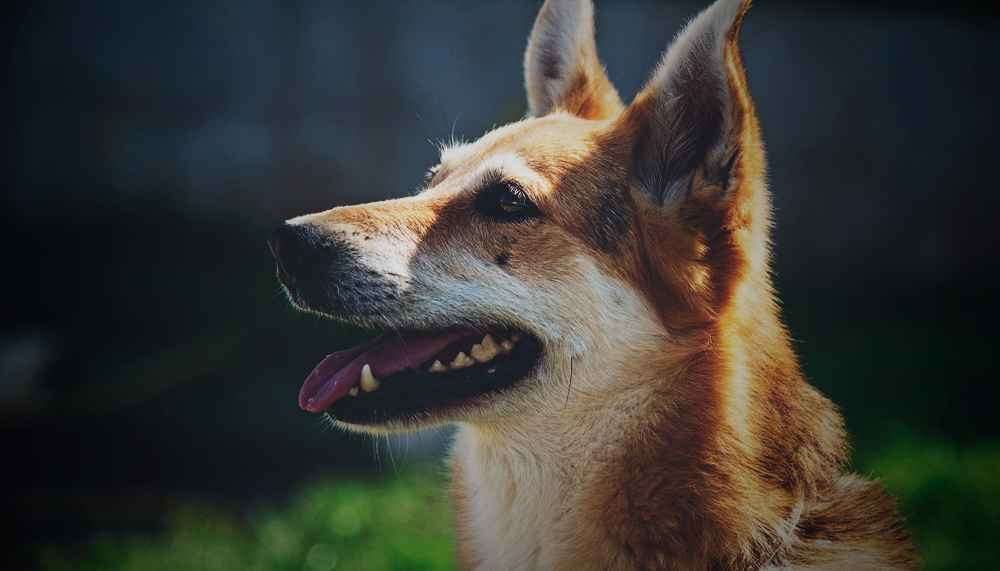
(693, 144)
(693, 124)
(561, 68)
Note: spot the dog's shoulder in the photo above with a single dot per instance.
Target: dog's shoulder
(853, 524)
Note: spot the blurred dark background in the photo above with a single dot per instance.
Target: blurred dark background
(147, 355)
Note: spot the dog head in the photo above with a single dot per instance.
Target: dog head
(554, 253)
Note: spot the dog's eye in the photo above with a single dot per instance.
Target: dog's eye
(514, 201)
(505, 201)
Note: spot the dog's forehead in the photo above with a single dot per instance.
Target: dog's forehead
(533, 148)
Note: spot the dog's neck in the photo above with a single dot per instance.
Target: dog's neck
(693, 453)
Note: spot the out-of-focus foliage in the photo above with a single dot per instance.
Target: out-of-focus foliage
(950, 495)
(401, 522)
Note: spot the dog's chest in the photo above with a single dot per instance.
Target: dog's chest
(516, 515)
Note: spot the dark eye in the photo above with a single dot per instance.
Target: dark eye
(506, 202)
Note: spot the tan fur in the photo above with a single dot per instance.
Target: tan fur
(669, 426)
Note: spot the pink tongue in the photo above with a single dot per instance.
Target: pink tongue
(386, 355)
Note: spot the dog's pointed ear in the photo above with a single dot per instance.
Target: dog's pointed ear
(693, 124)
(561, 68)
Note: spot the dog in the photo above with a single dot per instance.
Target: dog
(586, 293)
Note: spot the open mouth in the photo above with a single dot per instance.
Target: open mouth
(409, 374)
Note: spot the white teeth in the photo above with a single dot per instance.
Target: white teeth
(482, 352)
(485, 351)
(488, 342)
(353, 392)
(368, 381)
(462, 361)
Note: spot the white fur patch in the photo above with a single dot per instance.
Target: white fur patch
(521, 473)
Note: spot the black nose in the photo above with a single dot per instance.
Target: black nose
(295, 249)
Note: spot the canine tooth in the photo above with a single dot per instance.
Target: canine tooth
(485, 351)
(462, 361)
(353, 392)
(506, 345)
(368, 381)
(438, 367)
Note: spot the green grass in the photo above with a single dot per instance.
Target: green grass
(950, 495)
(401, 522)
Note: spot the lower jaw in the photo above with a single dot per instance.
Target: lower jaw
(418, 397)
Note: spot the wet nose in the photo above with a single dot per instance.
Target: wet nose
(294, 247)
